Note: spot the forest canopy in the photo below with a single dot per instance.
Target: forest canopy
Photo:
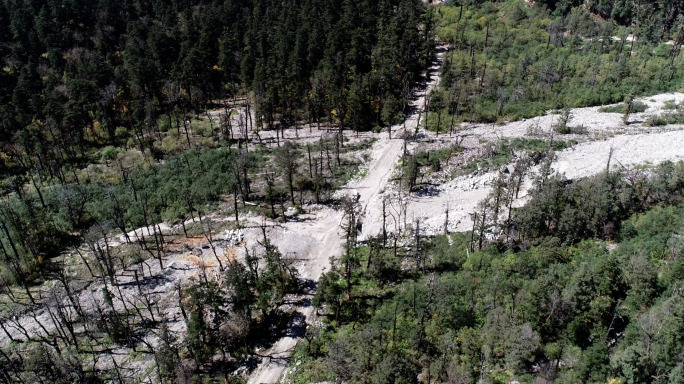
(511, 61)
(80, 75)
(582, 285)
(130, 132)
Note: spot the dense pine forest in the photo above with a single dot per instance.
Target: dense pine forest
(120, 120)
(510, 62)
(83, 83)
(80, 76)
(104, 129)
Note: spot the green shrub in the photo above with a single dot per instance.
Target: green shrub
(670, 105)
(523, 72)
(664, 119)
(655, 121)
(617, 108)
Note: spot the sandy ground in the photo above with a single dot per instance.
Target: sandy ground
(462, 194)
(308, 242)
(633, 145)
(598, 124)
(311, 242)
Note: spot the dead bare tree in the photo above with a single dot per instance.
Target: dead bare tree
(418, 250)
(209, 237)
(95, 238)
(384, 221)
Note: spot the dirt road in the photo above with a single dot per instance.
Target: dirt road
(326, 230)
(313, 238)
(386, 153)
(311, 242)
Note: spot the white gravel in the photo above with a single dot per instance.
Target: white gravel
(633, 145)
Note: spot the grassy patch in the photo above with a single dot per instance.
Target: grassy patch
(503, 152)
(360, 146)
(664, 119)
(670, 105)
(637, 107)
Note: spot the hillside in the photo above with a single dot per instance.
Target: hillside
(301, 191)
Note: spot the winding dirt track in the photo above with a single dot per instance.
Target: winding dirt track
(326, 230)
(380, 169)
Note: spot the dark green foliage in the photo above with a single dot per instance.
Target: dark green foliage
(44, 362)
(207, 305)
(654, 20)
(330, 290)
(37, 227)
(395, 368)
(276, 280)
(650, 232)
(241, 283)
(76, 78)
(511, 62)
(167, 355)
(411, 171)
(597, 206)
(221, 316)
(556, 304)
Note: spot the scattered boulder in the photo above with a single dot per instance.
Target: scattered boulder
(232, 236)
